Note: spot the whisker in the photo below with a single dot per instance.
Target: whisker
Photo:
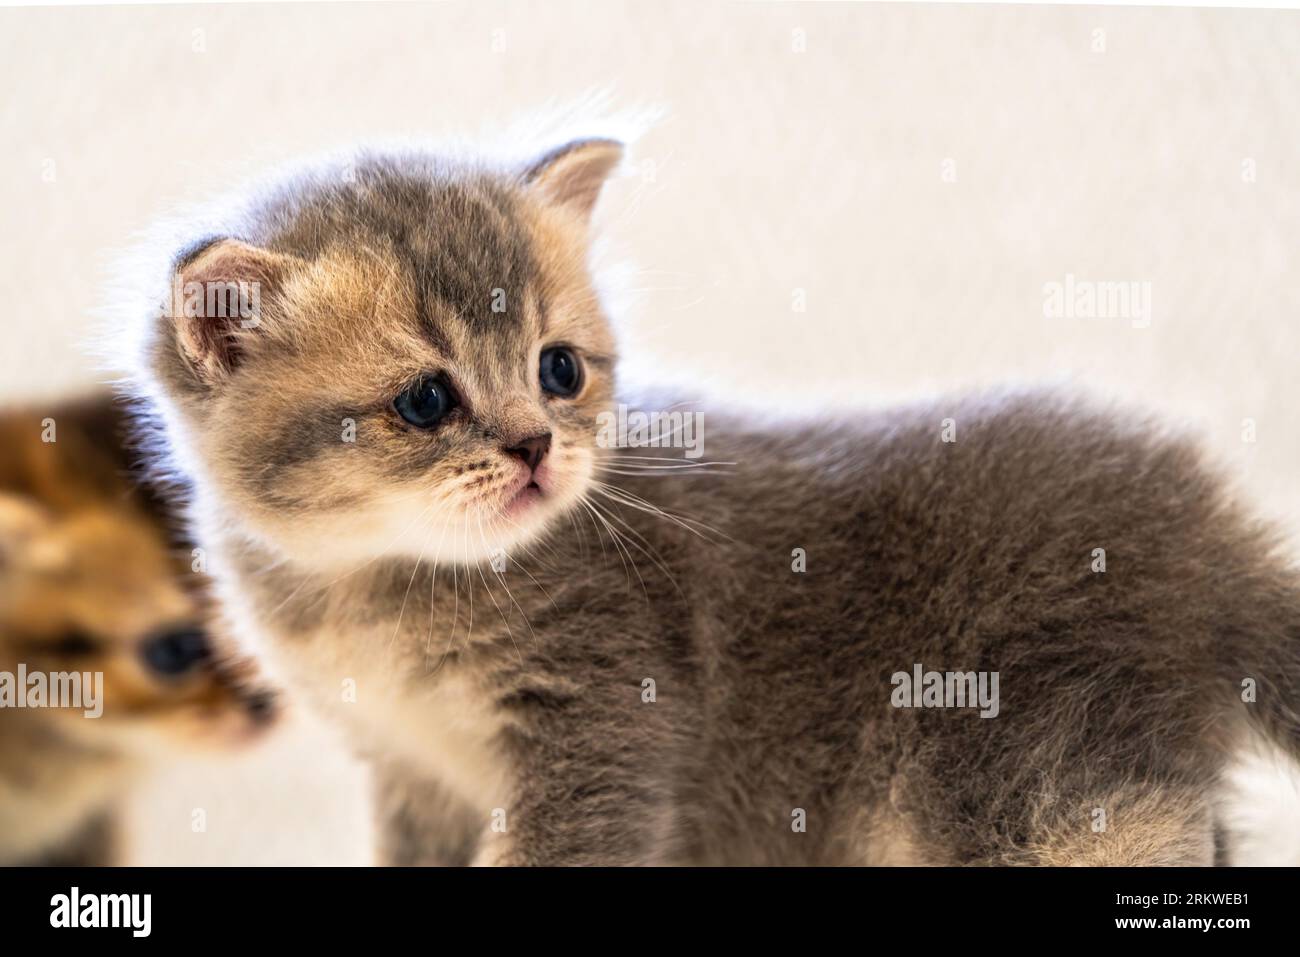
(433, 602)
(488, 589)
(407, 595)
(668, 460)
(527, 553)
(623, 550)
(642, 544)
(655, 472)
(660, 462)
(469, 590)
(455, 616)
(368, 562)
(509, 594)
(632, 500)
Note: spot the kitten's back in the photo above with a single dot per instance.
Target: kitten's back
(982, 554)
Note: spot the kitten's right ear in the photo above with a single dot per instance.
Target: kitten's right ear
(218, 294)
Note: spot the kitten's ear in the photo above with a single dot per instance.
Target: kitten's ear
(217, 298)
(21, 523)
(572, 175)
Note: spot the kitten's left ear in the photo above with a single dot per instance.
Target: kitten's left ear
(21, 523)
(572, 175)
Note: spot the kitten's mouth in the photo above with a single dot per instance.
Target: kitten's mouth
(524, 499)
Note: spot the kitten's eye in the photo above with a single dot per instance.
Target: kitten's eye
(176, 652)
(560, 372)
(425, 402)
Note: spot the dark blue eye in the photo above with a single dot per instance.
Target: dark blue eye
(176, 652)
(560, 372)
(425, 402)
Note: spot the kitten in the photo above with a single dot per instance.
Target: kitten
(395, 462)
(89, 585)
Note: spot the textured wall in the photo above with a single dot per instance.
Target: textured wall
(918, 172)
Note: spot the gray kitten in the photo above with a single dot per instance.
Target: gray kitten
(1031, 634)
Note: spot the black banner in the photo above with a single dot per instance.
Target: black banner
(334, 907)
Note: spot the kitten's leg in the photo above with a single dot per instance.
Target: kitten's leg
(583, 832)
(1135, 824)
(421, 823)
(582, 809)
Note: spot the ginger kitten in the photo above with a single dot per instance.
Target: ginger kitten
(395, 465)
(91, 584)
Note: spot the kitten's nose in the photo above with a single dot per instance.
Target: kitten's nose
(532, 450)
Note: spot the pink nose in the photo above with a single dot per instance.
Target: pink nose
(532, 450)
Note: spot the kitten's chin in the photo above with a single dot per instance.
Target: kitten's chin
(442, 534)
(490, 540)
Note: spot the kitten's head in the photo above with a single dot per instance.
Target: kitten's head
(98, 591)
(395, 357)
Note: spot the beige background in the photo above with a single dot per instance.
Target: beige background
(770, 171)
